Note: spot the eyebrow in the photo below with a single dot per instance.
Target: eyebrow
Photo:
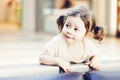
(76, 26)
(69, 22)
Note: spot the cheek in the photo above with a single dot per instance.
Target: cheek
(83, 32)
(64, 29)
(80, 35)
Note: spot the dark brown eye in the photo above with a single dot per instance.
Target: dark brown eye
(75, 29)
(67, 25)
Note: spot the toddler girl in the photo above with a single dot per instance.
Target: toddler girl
(73, 44)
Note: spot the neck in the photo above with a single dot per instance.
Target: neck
(77, 43)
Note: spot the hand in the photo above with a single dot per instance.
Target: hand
(94, 63)
(64, 65)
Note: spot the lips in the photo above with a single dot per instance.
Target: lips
(68, 37)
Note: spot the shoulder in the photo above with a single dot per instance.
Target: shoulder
(55, 40)
(92, 46)
(54, 45)
(89, 42)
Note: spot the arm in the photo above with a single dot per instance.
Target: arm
(95, 62)
(45, 58)
(49, 53)
(94, 57)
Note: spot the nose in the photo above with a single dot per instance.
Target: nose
(70, 31)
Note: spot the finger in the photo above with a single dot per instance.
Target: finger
(98, 68)
(69, 69)
(87, 63)
(66, 70)
(91, 64)
(95, 67)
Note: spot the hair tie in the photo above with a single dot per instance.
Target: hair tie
(97, 28)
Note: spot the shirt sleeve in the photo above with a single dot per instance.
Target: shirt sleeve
(51, 47)
(93, 49)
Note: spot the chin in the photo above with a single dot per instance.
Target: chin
(69, 41)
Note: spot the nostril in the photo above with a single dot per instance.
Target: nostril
(68, 32)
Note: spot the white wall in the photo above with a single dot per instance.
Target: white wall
(106, 14)
(29, 16)
(100, 10)
(113, 18)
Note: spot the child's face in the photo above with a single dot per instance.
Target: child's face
(73, 29)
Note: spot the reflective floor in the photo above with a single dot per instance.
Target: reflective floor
(21, 48)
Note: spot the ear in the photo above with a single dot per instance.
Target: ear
(89, 34)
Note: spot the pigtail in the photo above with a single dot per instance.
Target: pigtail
(98, 33)
(60, 22)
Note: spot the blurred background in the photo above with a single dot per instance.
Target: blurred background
(26, 25)
(31, 16)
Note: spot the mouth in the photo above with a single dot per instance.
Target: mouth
(68, 37)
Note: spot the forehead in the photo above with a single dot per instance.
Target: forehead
(76, 20)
